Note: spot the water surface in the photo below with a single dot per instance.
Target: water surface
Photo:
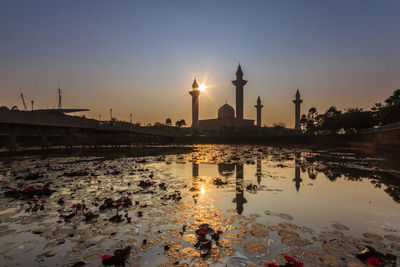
(320, 207)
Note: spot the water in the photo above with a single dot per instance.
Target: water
(320, 207)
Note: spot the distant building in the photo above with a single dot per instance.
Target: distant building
(226, 114)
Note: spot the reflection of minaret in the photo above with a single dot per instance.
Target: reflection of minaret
(195, 174)
(297, 177)
(259, 173)
(240, 200)
(195, 170)
(195, 104)
(297, 103)
(239, 83)
(258, 107)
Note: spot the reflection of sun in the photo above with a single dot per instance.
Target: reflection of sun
(202, 190)
(202, 87)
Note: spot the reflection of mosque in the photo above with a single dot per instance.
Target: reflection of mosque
(228, 169)
(239, 199)
(302, 168)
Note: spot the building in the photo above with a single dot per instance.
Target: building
(226, 113)
(195, 93)
(258, 107)
(297, 102)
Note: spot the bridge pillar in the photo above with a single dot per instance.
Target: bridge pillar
(43, 131)
(68, 138)
(13, 143)
(130, 139)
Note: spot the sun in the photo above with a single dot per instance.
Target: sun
(202, 87)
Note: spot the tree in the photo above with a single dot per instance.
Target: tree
(376, 113)
(331, 120)
(4, 108)
(168, 122)
(158, 124)
(180, 123)
(279, 125)
(356, 118)
(312, 121)
(394, 99)
(390, 111)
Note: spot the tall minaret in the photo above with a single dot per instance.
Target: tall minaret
(258, 107)
(297, 103)
(195, 104)
(239, 83)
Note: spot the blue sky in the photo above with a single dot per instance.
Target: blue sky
(140, 57)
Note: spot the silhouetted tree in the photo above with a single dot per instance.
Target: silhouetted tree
(331, 120)
(312, 121)
(279, 125)
(389, 112)
(356, 118)
(158, 124)
(178, 124)
(334, 120)
(168, 122)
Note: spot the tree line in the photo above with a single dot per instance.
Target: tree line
(352, 119)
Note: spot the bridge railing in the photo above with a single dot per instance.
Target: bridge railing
(61, 120)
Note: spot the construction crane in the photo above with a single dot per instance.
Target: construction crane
(23, 102)
(60, 109)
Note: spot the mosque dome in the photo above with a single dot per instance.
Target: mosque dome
(226, 112)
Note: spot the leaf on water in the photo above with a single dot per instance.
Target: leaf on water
(285, 216)
(373, 237)
(339, 226)
(393, 238)
(93, 255)
(268, 212)
(255, 248)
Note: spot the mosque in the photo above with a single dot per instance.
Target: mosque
(226, 113)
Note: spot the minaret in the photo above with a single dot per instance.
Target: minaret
(195, 104)
(239, 83)
(297, 103)
(258, 107)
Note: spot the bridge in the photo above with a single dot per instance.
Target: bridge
(31, 129)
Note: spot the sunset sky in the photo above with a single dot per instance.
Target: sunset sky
(140, 57)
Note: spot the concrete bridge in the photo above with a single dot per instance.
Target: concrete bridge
(24, 128)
